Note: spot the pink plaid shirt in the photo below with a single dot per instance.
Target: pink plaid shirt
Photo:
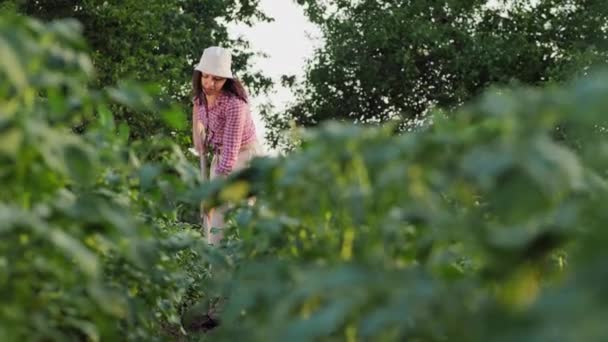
(229, 126)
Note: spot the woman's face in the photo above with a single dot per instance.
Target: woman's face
(212, 85)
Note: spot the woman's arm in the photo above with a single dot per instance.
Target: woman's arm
(198, 130)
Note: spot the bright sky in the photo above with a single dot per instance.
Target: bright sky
(286, 41)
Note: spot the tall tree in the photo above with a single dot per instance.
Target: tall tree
(388, 59)
(155, 41)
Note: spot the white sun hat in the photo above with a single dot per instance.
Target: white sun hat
(216, 61)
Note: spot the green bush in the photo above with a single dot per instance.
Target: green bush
(93, 244)
(461, 231)
(485, 225)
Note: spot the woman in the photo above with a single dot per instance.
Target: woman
(222, 124)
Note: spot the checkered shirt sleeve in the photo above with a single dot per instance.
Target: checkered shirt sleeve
(236, 117)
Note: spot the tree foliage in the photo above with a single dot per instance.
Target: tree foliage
(393, 60)
(156, 42)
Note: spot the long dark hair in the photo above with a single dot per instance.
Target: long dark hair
(233, 87)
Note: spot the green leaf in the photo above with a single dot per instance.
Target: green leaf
(85, 259)
(109, 300)
(10, 62)
(87, 328)
(106, 118)
(124, 132)
(148, 176)
(132, 96)
(174, 118)
(11, 140)
(80, 164)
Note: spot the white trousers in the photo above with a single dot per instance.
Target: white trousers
(213, 222)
